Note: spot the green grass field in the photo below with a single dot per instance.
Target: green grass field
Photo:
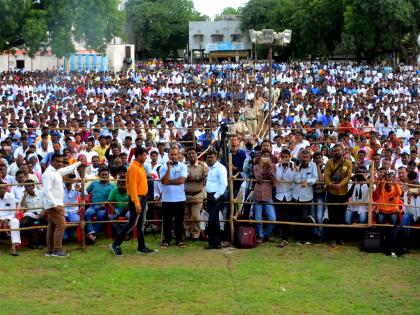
(267, 280)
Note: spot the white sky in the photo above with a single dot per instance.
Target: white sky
(213, 7)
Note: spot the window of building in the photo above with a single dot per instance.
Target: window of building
(198, 38)
(236, 37)
(216, 38)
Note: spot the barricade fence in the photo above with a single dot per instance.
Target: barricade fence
(233, 203)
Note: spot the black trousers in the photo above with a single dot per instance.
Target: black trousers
(33, 236)
(130, 224)
(336, 215)
(171, 211)
(295, 213)
(214, 207)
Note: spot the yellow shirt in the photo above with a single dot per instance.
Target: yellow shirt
(343, 176)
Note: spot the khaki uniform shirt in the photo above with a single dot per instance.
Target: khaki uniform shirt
(194, 187)
(239, 128)
(250, 113)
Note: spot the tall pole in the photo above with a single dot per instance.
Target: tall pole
(231, 199)
(270, 75)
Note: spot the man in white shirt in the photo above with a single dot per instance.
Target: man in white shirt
(285, 176)
(173, 175)
(53, 197)
(8, 218)
(216, 185)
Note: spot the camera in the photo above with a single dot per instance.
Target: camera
(389, 175)
(336, 179)
(359, 177)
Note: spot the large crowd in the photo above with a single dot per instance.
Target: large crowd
(332, 127)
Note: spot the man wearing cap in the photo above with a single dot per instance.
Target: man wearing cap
(251, 115)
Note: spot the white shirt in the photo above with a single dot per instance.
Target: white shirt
(310, 174)
(216, 180)
(412, 208)
(360, 194)
(285, 190)
(8, 202)
(52, 180)
(33, 202)
(174, 193)
(163, 159)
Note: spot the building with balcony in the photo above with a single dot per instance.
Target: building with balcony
(218, 41)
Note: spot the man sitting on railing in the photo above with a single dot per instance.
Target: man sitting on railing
(71, 212)
(8, 217)
(411, 207)
(388, 192)
(32, 198)
(100, 191)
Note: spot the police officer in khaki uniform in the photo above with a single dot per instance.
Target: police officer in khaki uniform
(197, 174)
(238, 128)
(251, 116)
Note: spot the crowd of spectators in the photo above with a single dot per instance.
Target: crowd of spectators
(332, 127)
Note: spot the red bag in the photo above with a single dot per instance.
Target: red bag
(246, 237)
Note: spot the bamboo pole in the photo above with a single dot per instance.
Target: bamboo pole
(370, 207)
(231, 200)
(82, 214)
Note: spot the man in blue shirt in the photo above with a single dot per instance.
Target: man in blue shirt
(172, 176)
(327, 119)
(100, 191)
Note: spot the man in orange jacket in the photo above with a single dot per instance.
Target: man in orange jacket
(388, 192)
(136, 183)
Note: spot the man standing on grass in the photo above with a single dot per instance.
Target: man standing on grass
(216, 185)
(53, 197)
(136, 183)
(173, 175)
(338, 172)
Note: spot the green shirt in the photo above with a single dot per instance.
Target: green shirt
(120, 199)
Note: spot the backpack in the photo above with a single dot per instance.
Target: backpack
(246, 237)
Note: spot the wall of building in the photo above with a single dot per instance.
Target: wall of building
(116, 55)
(37, 63)
(227, 28)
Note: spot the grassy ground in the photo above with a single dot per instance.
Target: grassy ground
(267, 280)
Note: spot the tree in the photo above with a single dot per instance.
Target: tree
(373, 28)
(256, 14)
(159, 27)
(55, 23)
(228, 11)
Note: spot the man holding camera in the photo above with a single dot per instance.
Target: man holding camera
(173, 175)
(338, 172)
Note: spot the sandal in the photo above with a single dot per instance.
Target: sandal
(181, 245)
(14, 252)
(164, 245)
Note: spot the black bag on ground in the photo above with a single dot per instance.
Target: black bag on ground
(372, 241)
(246, 237)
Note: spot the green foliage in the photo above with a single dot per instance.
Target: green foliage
(228, 11)
(366, 28)
(159, 27)
(55, 23)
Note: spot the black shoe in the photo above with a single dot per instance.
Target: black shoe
(60, 253)
(116, 250)
(146, 250)
(48, 253)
